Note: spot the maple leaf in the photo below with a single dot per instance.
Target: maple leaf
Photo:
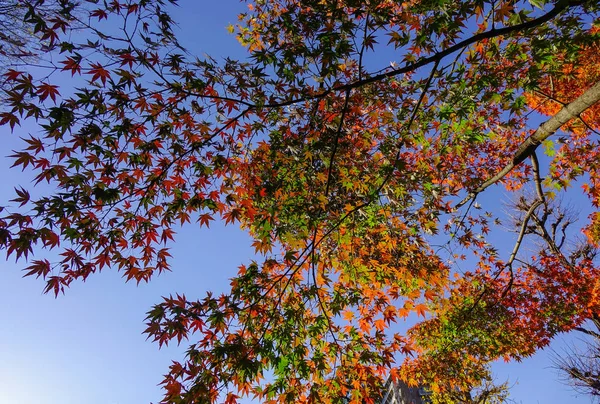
(98, 72)
(232, 215)
(127, 59)
(430, 295)
(46, 90)
(12, 74)
(421, 309)
(205, 219)
(9, 118)
(23, 196)
(23, 158)
(39, 268)
(100, 14)
(72, 64)
(380, 324)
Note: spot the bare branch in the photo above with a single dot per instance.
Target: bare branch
(524, 223)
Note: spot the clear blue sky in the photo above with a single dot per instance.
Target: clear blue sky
(87, 347)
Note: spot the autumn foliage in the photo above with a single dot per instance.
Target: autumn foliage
(577, 72)
(370, 189)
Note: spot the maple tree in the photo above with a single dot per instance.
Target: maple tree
(362, 184)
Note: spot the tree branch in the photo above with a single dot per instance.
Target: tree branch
(436, 57)
(547, 129)
(551, 98)
(522, 230)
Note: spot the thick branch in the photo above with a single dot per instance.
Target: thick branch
(551, 98)
(547, 129)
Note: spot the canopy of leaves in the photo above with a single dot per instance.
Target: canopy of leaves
(360, 182)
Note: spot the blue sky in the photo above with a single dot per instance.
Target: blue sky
(87, 346)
